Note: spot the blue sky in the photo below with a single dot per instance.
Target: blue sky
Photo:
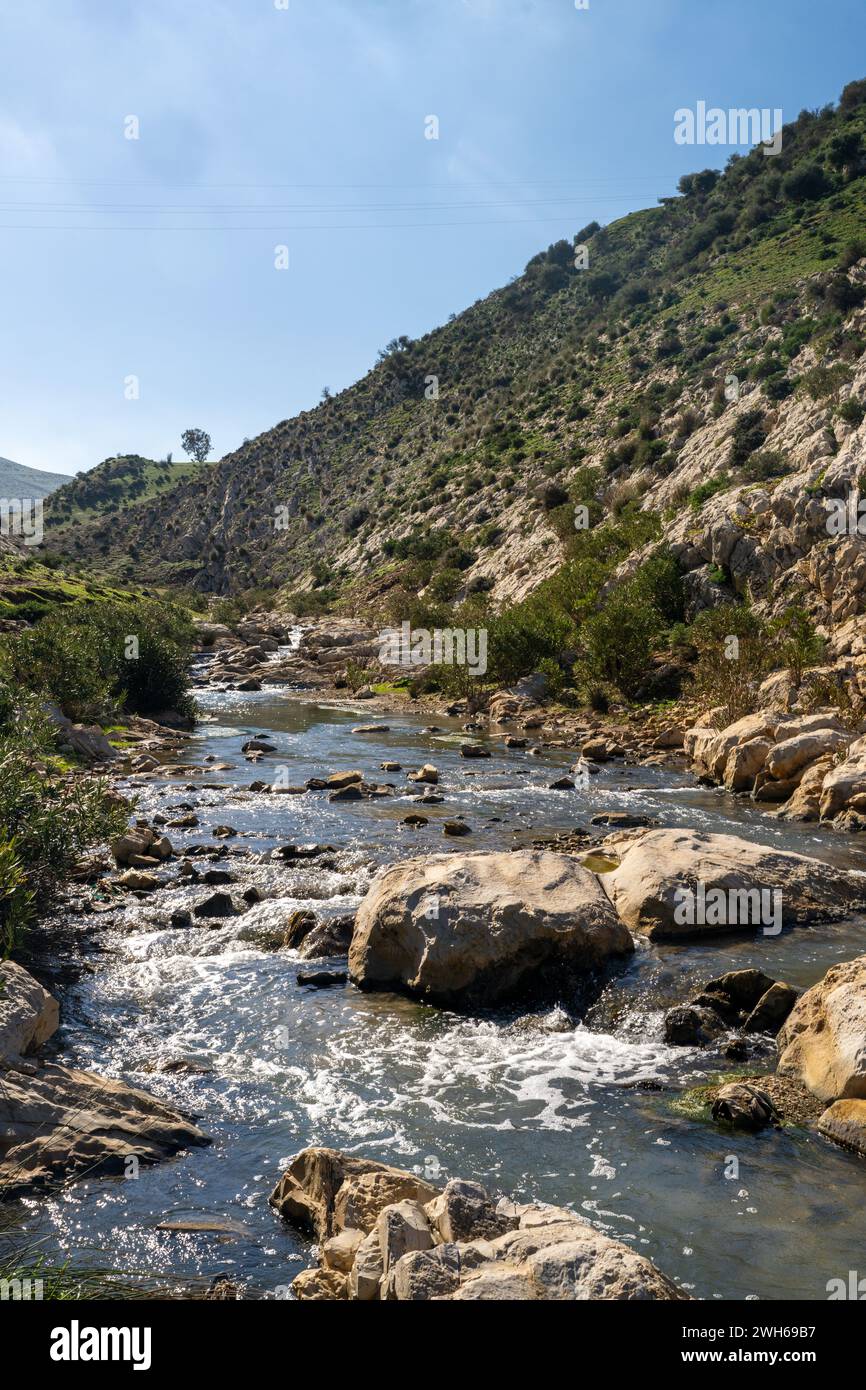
(306, 124)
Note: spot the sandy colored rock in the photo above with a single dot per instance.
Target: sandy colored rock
(476, 929)
(845, 1122)
(660, 863)
(28, 1013)
(744, 762)
(325, 1191)
(320, 1286)
(401, 1228)
(62, 1123)
(339, 1252)
(793, 754)
(823, 1042)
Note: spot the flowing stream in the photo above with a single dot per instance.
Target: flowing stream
(538, 1105)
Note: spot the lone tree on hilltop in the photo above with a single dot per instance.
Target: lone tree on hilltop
(196, 443)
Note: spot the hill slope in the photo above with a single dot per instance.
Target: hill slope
(17, 480)
(710, 353)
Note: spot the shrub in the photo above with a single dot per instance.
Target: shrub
(733, 656)
(805, 182)
(84, 657)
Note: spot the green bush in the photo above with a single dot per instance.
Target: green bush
(93, 658)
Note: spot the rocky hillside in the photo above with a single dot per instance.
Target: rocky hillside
(705, 365)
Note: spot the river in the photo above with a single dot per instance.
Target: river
(539, 1105)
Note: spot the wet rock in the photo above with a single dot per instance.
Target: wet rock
(771, 1009)
(371, 729)
(415, 820)
(353, 792)
(562, 784)
(506, 924)
(456, 827)
(621, 820)
(595, 749)
(338, 780)
(58, 1123)
(252, 895)
(474, 750)
(322, 979)
(427, 773)
(330, 937)
(391, 767)
(513, 742)
(223, 832)
(298, 927)
(217, 905)
(215, 876)
(464, 1211)
(258, 745)
(744, 1107)
(186, 822)
(181, 918)
(689, 1025)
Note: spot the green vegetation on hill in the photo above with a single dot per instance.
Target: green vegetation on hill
(113, 486)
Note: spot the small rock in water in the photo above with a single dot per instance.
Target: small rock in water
(321, 979)
(622, 820)
(415, 820)
(217, 905)
(352, 792)
(743, 1106)
(223, 832)
(181, 918)
(371, 729)
(456, 827)
(391, 767)
(562, 784)
(474, 750)
(214, 876)
(428, 773)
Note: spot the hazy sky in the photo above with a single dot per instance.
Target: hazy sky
(304, 120)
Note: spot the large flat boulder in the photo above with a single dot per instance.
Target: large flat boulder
(474, 930)
(57, 1124)
(823, 1042)
(663, 870)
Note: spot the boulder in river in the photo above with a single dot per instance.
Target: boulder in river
(386, 1235)
(743, 1106)
(685, 883)
(473, 930)
(823, 1042)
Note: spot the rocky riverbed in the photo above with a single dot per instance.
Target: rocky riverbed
(514, 950)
